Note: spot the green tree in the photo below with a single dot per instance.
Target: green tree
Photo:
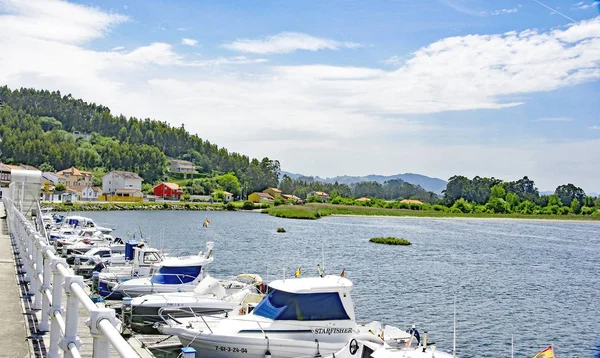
(497, 205)
(498, 192)
(554, 200)
(575, 206)
(46, 167)
(60, 187)
(229, 182)
(568, 192)
(279, 200)
(512, 199)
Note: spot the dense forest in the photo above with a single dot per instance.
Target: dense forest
(390, 190)
(496, 196)
(36, 128)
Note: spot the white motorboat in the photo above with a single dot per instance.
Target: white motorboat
(77, 222)
(210, 297)
(96, 254)
(180, 274)
(367, 345)
(300, 317)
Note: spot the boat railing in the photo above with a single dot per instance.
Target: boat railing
(49, 279)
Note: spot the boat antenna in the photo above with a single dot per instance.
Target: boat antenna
(323, 256)
(512, 346)
(454, 338)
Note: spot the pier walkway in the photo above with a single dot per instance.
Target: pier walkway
(13, 333)
(45, 310)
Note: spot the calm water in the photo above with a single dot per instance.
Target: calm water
(538, 281)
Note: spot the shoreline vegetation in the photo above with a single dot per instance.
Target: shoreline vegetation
(315, 211)
(149, 206)
(310, 211)
(390, 241)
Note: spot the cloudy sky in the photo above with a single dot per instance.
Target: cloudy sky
(437, 87)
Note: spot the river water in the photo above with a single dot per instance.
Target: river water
(538, 281)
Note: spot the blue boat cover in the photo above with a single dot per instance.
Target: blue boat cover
(130, 249)
(286, 306)
(176, 275)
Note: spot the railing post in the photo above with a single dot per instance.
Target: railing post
(57, 281)
(101, 343)
(72, 315)
(26, 256)
(44, 325)
(39, 266)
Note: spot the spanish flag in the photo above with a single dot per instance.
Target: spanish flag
(297, 274)
(546, 353)
(206, 223)
(343, 272)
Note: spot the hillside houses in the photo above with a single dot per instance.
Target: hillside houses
(122, 184)
(76, 178)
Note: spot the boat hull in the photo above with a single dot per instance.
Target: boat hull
(210, 345)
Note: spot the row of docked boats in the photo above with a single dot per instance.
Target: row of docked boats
(238, 316)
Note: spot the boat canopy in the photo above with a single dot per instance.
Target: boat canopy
(170, 275)
(329, 283)
(287, 306)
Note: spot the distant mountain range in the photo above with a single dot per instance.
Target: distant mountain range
(432, 184)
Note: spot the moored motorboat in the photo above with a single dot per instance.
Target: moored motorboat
(210, 297)
(180, 274)
(299, 317)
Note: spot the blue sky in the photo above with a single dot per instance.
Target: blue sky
(490, 88)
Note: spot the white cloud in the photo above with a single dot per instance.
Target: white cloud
(395, 61)
(504, 11)
(287, 42)
(56, 20)
(189, 42)
(595, 128)
(554, 119)
(118, 48)
(584, 6)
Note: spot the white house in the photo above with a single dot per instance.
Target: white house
(120, 180)
(88, 193)
(181, 166)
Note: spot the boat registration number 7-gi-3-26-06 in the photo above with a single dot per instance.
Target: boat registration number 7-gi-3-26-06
(231, 349)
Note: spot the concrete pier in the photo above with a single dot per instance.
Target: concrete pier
(13, 332)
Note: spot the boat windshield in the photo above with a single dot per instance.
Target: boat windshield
(280, 305)
(176, 275)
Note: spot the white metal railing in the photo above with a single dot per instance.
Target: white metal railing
(48, 276)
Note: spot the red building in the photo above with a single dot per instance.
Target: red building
(168, 191)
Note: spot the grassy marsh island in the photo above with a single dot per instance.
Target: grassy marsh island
(315, 211)
(390, 241)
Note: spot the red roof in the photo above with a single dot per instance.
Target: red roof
(172, 186)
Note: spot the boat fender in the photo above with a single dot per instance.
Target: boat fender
(353, 347)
